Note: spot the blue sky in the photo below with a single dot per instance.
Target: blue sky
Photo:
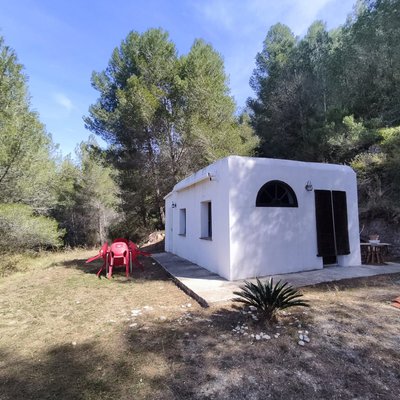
(60, 43)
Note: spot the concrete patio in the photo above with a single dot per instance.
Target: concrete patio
(208, 288)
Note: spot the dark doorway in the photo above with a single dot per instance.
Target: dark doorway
(332, 225)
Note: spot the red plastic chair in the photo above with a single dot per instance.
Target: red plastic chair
(122, 252)
(102, 254)
(135, 252)
(119, 255)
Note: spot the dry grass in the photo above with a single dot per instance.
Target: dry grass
(64, 334)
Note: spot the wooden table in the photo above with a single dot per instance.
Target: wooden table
(374, 253)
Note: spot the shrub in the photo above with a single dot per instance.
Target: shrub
(268, 297)
(21, 230)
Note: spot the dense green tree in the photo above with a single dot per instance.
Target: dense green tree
(273, 115)
(27, 167)
(292, 88)
(305, 87)
(368, 80)
(378, 171)
(333, 96)
(163, 117)
(26, 164)
(87, 197)
(44, 197)
(96, 195)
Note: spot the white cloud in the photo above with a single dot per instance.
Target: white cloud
(300, 14)
(62, 100)
(245, 17)
(219, 12)
(245, 24)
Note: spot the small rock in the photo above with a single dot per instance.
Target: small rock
(301, 337)
(132, 325)
(73, 343)
(306, 332)
(189, 305)
(252, 335)
(258, 337)
(299, 331)
(300, 343)
(267, 337)
(162, 318)
(306, 339)
(254, 317)
(187, 334)
(253, 308)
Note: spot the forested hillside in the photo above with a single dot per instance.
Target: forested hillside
(335, 97)
(45, 201)
(329, 96)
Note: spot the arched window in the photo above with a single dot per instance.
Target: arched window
(276, 194)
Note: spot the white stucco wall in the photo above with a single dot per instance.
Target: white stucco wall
(272, 240)
(212, 254)
(250, 241)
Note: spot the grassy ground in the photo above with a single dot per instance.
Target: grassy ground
(64, 334)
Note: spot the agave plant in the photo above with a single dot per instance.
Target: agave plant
(268, 297)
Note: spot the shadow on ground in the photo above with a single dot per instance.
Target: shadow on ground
(64, 372)
(150, 270)
(203, 359)
(197, 356)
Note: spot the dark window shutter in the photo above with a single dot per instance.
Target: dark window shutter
(325, 228)
(341, 224)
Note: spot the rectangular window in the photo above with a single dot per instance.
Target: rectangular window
(206, 220)
(182, 221)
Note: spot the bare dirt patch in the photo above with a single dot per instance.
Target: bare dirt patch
(64, 334)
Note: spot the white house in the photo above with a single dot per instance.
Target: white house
(243, 217)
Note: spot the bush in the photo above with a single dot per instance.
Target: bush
(21, 230)
(269, 298)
